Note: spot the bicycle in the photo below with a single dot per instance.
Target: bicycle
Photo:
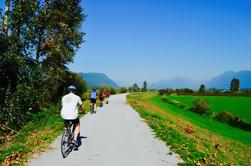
(107, 100)
(66, 141)
(92, 108)
(100, 103)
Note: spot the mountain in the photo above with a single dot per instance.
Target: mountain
(175, 83)
(219, 82)
(223, 81)
(95, 80)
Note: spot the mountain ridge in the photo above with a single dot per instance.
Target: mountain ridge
(222, 81)
(95, 80)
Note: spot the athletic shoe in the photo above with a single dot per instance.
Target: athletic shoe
(74, 142)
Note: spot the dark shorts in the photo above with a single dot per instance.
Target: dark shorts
(93, 101)
(69, 122)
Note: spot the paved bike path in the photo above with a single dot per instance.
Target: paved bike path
(114, 136)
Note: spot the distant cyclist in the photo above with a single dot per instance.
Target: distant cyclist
(107, 94)
(93, 97)
(69, 111)
(101, 98)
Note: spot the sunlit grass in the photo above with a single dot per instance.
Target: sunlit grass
(192, 136)
(205, 122)
(238, 106)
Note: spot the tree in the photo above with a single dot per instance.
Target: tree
(202, 88)
(6, 22)
(235, 85)
(144, 88)
(77, 80)
(38, 39)
(112, 90)
(123, 90)
(130, 89)
(135, 88)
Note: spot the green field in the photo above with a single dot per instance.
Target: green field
(170, 123)
(238, 106)
(204, 121)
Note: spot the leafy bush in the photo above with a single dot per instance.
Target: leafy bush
(166, 91)
(18, 107)
(173, 102)
(235, 121)
(184, 91)
(164, 99)
(182, 106)
(85, 96)
(104, 88)
(225, 117)
(123, 90)
(77, 80)
(200, 106)
(113, 91)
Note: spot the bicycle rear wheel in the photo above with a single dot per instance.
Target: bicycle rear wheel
(66, 146)
(92, 108)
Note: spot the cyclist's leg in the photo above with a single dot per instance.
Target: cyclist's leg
(76, 128)
(94, 105)
(73, 128)
(102, 99)
(67, 123)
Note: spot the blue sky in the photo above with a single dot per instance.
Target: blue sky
(137, 40)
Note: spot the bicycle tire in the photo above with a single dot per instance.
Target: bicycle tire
(92, 108)
(65, 144)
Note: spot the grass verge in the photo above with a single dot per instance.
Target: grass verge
(195, 144)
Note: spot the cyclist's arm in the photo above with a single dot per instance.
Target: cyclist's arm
(82, 107)
(81, 104)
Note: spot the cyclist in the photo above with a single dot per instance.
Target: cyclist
(93, 97)
(107, 94)
(101, 98)
(69, 111)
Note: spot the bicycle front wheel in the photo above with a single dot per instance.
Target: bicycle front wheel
(66, 144)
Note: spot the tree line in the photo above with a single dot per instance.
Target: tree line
(38, 39)
(136, 88)
(234, 90)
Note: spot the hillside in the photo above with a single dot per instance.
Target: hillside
(95, 80)
(223, 81)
